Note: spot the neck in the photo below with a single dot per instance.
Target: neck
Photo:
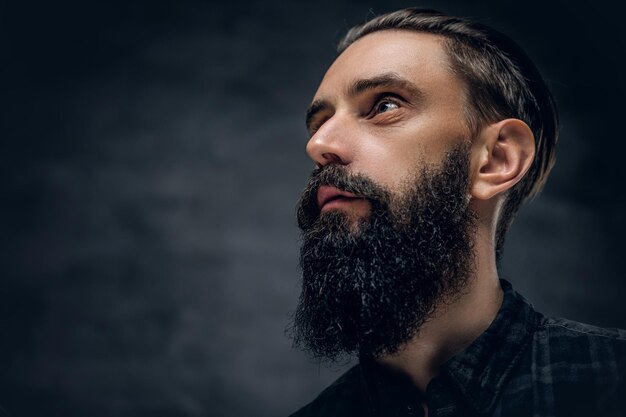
(454, 326)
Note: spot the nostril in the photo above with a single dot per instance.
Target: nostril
(332, 157)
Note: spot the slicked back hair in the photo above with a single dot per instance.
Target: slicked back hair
(501, 82)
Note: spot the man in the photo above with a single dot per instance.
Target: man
(429, 132)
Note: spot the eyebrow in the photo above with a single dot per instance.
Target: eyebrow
(388, 80)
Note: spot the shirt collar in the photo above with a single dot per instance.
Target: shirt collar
(479, 371)
(482, 368)
(388, 393)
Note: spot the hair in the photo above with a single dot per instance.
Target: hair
(501, 82)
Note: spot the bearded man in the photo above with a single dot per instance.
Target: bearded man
(429, 132)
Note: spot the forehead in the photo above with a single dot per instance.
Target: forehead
(418, 57)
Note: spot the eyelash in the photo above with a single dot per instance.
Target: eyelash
(385, 98)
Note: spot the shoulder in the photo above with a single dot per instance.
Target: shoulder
(338, 399)
(580, 350)
(568, 360)
(570, 328)
(565, 335)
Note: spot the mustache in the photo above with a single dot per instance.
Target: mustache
(340, 177)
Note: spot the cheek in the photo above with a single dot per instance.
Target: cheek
(390, 156)
(427, 147)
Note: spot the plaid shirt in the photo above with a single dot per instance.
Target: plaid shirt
(524, 364)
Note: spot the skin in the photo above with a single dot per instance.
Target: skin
(390, 104)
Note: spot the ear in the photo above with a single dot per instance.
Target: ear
(502, 154)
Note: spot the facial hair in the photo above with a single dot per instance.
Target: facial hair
(368, 287)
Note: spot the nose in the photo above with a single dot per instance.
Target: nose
(331, 144)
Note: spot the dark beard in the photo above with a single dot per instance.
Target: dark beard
(368, 287)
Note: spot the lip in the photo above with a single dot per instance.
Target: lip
(327, 194)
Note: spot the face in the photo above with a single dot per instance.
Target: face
(388, 105)
(387, 231)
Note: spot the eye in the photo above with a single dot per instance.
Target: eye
(385, 105)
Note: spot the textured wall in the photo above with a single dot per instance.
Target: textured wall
(152, 154)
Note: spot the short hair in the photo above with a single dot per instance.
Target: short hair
(501, 82)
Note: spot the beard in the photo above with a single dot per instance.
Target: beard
(370, 284)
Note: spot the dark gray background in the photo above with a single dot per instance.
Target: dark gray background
(152, 154)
